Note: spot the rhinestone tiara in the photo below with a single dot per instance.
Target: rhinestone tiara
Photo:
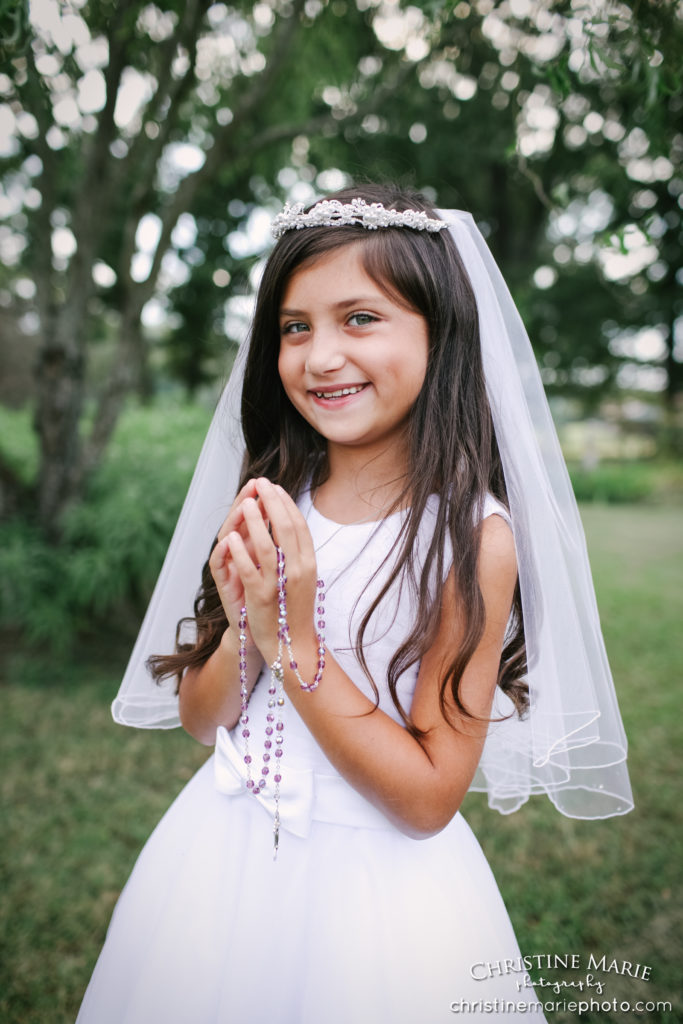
(333, 213)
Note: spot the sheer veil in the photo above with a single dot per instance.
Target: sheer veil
(571, 745)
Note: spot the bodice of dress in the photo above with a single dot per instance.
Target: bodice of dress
(352, 560)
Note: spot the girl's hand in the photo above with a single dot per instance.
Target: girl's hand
(223, 570)
(254, 557)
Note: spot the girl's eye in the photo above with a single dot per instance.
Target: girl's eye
(296, 327)
(361, 319)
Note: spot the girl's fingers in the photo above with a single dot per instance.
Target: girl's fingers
(265, 516)
(217, 561)
(271, 518)
(297, 519)
(258, 541)
(227, 580)
(289, 528)
(247, 570)
(234, 518)
(234, 515)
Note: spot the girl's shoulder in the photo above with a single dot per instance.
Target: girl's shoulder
(494, 507)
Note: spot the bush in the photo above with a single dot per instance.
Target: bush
(628, 482)
(113, 543)
(615, 483)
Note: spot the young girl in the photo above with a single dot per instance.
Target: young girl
(397, 608)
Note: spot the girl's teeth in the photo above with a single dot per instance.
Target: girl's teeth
(338, 394)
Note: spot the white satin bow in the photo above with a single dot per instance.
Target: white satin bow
(296, 797)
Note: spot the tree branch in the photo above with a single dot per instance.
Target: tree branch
(187, 35)
(145, 153)
(321, 122)
(119, 384)
(164, 105)
(94, 196)
(536, 182)
(280, 46)
(219, 152)
(184, 194)
(94, 175)
(41, 218)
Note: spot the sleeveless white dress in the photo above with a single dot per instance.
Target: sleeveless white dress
(353, 922)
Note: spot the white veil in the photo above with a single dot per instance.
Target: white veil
(571, 745)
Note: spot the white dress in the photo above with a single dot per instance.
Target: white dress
(354, 922)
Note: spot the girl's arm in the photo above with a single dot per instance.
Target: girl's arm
(418, 787)
(210, 696)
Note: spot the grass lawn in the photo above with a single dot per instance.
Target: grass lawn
(613, 887)
(81, 795)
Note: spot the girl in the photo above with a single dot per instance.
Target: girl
(397, 608)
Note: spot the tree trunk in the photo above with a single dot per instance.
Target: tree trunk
(59, 408)
(671, 438)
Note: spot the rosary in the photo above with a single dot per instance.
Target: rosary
(276, 694)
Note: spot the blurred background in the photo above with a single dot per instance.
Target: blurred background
(144, 149)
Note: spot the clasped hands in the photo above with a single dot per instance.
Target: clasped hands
(244, 567)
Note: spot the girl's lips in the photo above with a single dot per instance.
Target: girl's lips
(336, 396)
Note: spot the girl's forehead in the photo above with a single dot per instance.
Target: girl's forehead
(349, 251)
(333, 270)
(340, 274)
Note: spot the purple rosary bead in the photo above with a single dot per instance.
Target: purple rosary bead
(275, 700)
(284, 626)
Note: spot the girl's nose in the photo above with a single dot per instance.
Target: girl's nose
(324, 354)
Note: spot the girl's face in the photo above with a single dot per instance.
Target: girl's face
(352, 361)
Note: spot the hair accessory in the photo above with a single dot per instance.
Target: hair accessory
(283, 631)
(571, 745)
(333, 213)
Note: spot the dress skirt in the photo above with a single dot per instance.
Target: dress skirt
(353, 922)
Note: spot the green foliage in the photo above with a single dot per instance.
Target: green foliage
(613, 484)
(114, 542)
(19, 446)
(628, 482)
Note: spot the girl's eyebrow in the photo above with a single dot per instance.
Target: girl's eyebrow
(363, 300)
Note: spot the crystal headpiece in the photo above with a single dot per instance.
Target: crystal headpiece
(333, 213)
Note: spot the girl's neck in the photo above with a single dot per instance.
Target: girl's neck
(361, 485)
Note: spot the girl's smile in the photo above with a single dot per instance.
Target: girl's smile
(352, 360)
(334, 394)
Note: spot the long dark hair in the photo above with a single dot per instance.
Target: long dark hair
(451, 442)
